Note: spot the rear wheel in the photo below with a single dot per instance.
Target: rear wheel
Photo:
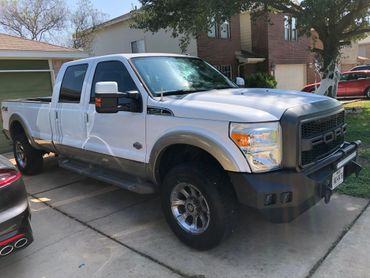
(367, 93)
(29, 160)
(199, 204)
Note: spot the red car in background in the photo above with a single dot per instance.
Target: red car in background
(352, 84)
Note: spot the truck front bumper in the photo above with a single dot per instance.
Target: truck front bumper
(283, 195)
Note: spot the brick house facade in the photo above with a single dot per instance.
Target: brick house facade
(220, 52)
(289, 60)
(268, 40)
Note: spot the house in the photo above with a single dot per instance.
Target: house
(288, 55)
(358, 53)
(116, 36)
(237, 47)
(28, 68)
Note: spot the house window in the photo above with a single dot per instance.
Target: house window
(138, 46)
(217, 30)
(212, 30)
(225, 30)
(290, 28)
(227, 71)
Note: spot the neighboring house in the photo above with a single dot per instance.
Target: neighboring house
(116, 36)
(28, 68)
(358, 53)
(288, 55)
(238, 47)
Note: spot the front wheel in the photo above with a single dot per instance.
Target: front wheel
(199, 205)
(29, 160)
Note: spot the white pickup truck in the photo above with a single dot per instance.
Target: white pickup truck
(174, 124)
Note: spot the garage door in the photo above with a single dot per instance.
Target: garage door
(291, 77)
(21, 79)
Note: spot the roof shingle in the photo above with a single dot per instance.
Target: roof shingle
(8, 42)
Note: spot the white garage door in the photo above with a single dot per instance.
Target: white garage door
(292, 76)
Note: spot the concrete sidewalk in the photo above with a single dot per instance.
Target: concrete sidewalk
(351, 257)
(86, 228)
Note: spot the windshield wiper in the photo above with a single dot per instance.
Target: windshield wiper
(181, 92)
(225, 87)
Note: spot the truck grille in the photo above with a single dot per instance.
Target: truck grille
(321, 137)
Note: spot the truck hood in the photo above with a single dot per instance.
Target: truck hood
(243, 105)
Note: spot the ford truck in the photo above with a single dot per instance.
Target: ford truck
(176, 125)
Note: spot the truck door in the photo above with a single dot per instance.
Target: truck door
(68, 115)
(119, 138)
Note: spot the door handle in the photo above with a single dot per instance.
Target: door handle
(56, 115)
(87, 117)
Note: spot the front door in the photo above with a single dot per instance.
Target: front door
(119, 138)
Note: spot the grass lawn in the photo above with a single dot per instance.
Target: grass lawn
(359, 128)
(4, 143)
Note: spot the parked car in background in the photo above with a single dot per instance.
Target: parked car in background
(15, 228)
(352, 84)
(362, 67)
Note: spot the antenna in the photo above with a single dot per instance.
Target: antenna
(161, 96)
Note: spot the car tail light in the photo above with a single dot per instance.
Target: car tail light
(7, 176)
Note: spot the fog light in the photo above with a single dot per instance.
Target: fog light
(286, 197)
(270, 199)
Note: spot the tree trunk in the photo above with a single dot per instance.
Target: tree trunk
(328, 65)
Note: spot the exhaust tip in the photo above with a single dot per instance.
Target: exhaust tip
(6, 250)
(21, 243)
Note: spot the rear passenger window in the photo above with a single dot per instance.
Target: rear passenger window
(72, 84)
(113, 71)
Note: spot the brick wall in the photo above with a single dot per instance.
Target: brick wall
(282, 51)
(219, 51)
(268, 41)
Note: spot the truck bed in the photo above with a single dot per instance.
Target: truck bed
(34, 99)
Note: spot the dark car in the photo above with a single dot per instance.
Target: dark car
(362, 67)
(352, 84)
(15, 228)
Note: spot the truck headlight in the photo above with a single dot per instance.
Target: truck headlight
(261, 144)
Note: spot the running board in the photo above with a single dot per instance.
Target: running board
(124, 181)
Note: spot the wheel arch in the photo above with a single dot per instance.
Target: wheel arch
(176, 140)
(17, 126)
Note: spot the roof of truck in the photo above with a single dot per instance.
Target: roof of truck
(128, 56)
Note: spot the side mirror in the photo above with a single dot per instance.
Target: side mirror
(240, 82)
(109, 100)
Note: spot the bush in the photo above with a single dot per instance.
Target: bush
(260, 80)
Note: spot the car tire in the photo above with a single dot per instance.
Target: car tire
(367, 93)
(29, 160)
(208, 214)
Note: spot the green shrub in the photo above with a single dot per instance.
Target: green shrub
(260, 80)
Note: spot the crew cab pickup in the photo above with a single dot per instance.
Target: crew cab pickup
(174, 124)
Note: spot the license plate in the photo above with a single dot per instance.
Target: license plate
(337, 178)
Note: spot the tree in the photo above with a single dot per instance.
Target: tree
(83, 22)
(336, 22)
(33, 19)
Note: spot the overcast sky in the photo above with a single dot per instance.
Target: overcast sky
(112, 8)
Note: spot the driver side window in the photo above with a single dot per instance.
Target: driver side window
(112, 71)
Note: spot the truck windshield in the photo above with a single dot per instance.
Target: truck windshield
(179, 75)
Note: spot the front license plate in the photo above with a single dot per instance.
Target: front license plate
(337, 178)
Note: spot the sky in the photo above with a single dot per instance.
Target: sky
(112, 8)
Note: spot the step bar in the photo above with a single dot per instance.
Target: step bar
(121, 180)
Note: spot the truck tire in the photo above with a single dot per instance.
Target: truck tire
(199, 204)
(29, 160)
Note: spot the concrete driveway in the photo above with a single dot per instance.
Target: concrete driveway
(85, 228)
